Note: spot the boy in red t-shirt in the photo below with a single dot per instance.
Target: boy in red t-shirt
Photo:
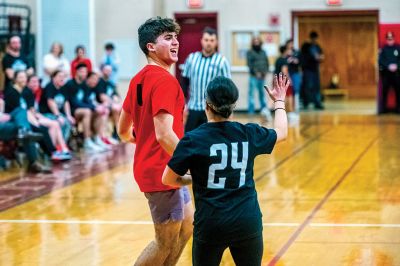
(152, 117)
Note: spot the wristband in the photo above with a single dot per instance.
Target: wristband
(279, 101)
(280, 108)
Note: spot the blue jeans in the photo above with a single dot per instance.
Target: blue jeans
(296, 78)
(312, 90)
(65, 128)
(9, 130)
(256, 84)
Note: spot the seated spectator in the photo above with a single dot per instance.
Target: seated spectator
(80, 59)
(81, 107)
(101, 111)
(54, 103)
(19, 96)
(109, 95)
(34, 86)
(55, 60)
(14, 60)
(15, 125)
(39, 120)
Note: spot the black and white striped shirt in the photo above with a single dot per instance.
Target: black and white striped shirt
(200, 70)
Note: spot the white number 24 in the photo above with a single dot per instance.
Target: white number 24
(235, 164)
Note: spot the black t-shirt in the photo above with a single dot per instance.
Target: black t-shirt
(93, 94)
(78, 95)
(220, 157)
(294, 67)
(389, 55)
(19, 63)
(29, 98)
(13, 99)
(51, 92)
(107, 88)
(309, 53)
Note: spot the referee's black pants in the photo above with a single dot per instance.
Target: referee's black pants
(195, 119)
(390, 79)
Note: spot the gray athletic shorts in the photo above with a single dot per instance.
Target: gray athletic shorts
(168, 205)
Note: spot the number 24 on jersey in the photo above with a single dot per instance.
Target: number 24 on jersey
(235, 164)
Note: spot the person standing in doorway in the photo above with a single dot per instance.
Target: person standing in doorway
(389, 68)
(152, 117)
(312, 56)
(200, 68)
(258, 64)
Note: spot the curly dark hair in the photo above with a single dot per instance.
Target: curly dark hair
(154, 27)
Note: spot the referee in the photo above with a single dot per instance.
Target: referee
(199, 69)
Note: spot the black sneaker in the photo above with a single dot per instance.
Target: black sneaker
(24, 134)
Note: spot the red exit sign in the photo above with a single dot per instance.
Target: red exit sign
(334, 2)
(195, 3)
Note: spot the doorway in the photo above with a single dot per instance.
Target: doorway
(192, 25)
(349, 40)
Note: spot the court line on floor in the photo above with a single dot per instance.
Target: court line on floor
(295, 152)
(106, 222)
(61, 177)
(308, 219)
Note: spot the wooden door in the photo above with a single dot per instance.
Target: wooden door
(350, 45)
(192, 26)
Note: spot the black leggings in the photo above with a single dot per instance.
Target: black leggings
(46, 143)
(244, 253)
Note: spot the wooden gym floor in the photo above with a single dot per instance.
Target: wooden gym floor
(330, 195)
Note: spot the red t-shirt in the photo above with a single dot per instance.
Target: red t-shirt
(77, 61)
(160, 92)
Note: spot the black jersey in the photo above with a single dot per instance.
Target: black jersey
(220, 157)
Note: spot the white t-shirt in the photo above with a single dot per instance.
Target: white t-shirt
(52, 63)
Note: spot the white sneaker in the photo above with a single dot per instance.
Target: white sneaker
(265, 112)
(293, 118)
(100, 143)
(90, 146)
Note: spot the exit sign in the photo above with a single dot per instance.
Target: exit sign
(334, 2)
(195, 3)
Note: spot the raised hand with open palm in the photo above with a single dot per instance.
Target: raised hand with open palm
(279, 87)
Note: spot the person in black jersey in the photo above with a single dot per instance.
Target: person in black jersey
(220, 157)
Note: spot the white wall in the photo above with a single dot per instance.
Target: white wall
(71, 29)
(118, 21)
